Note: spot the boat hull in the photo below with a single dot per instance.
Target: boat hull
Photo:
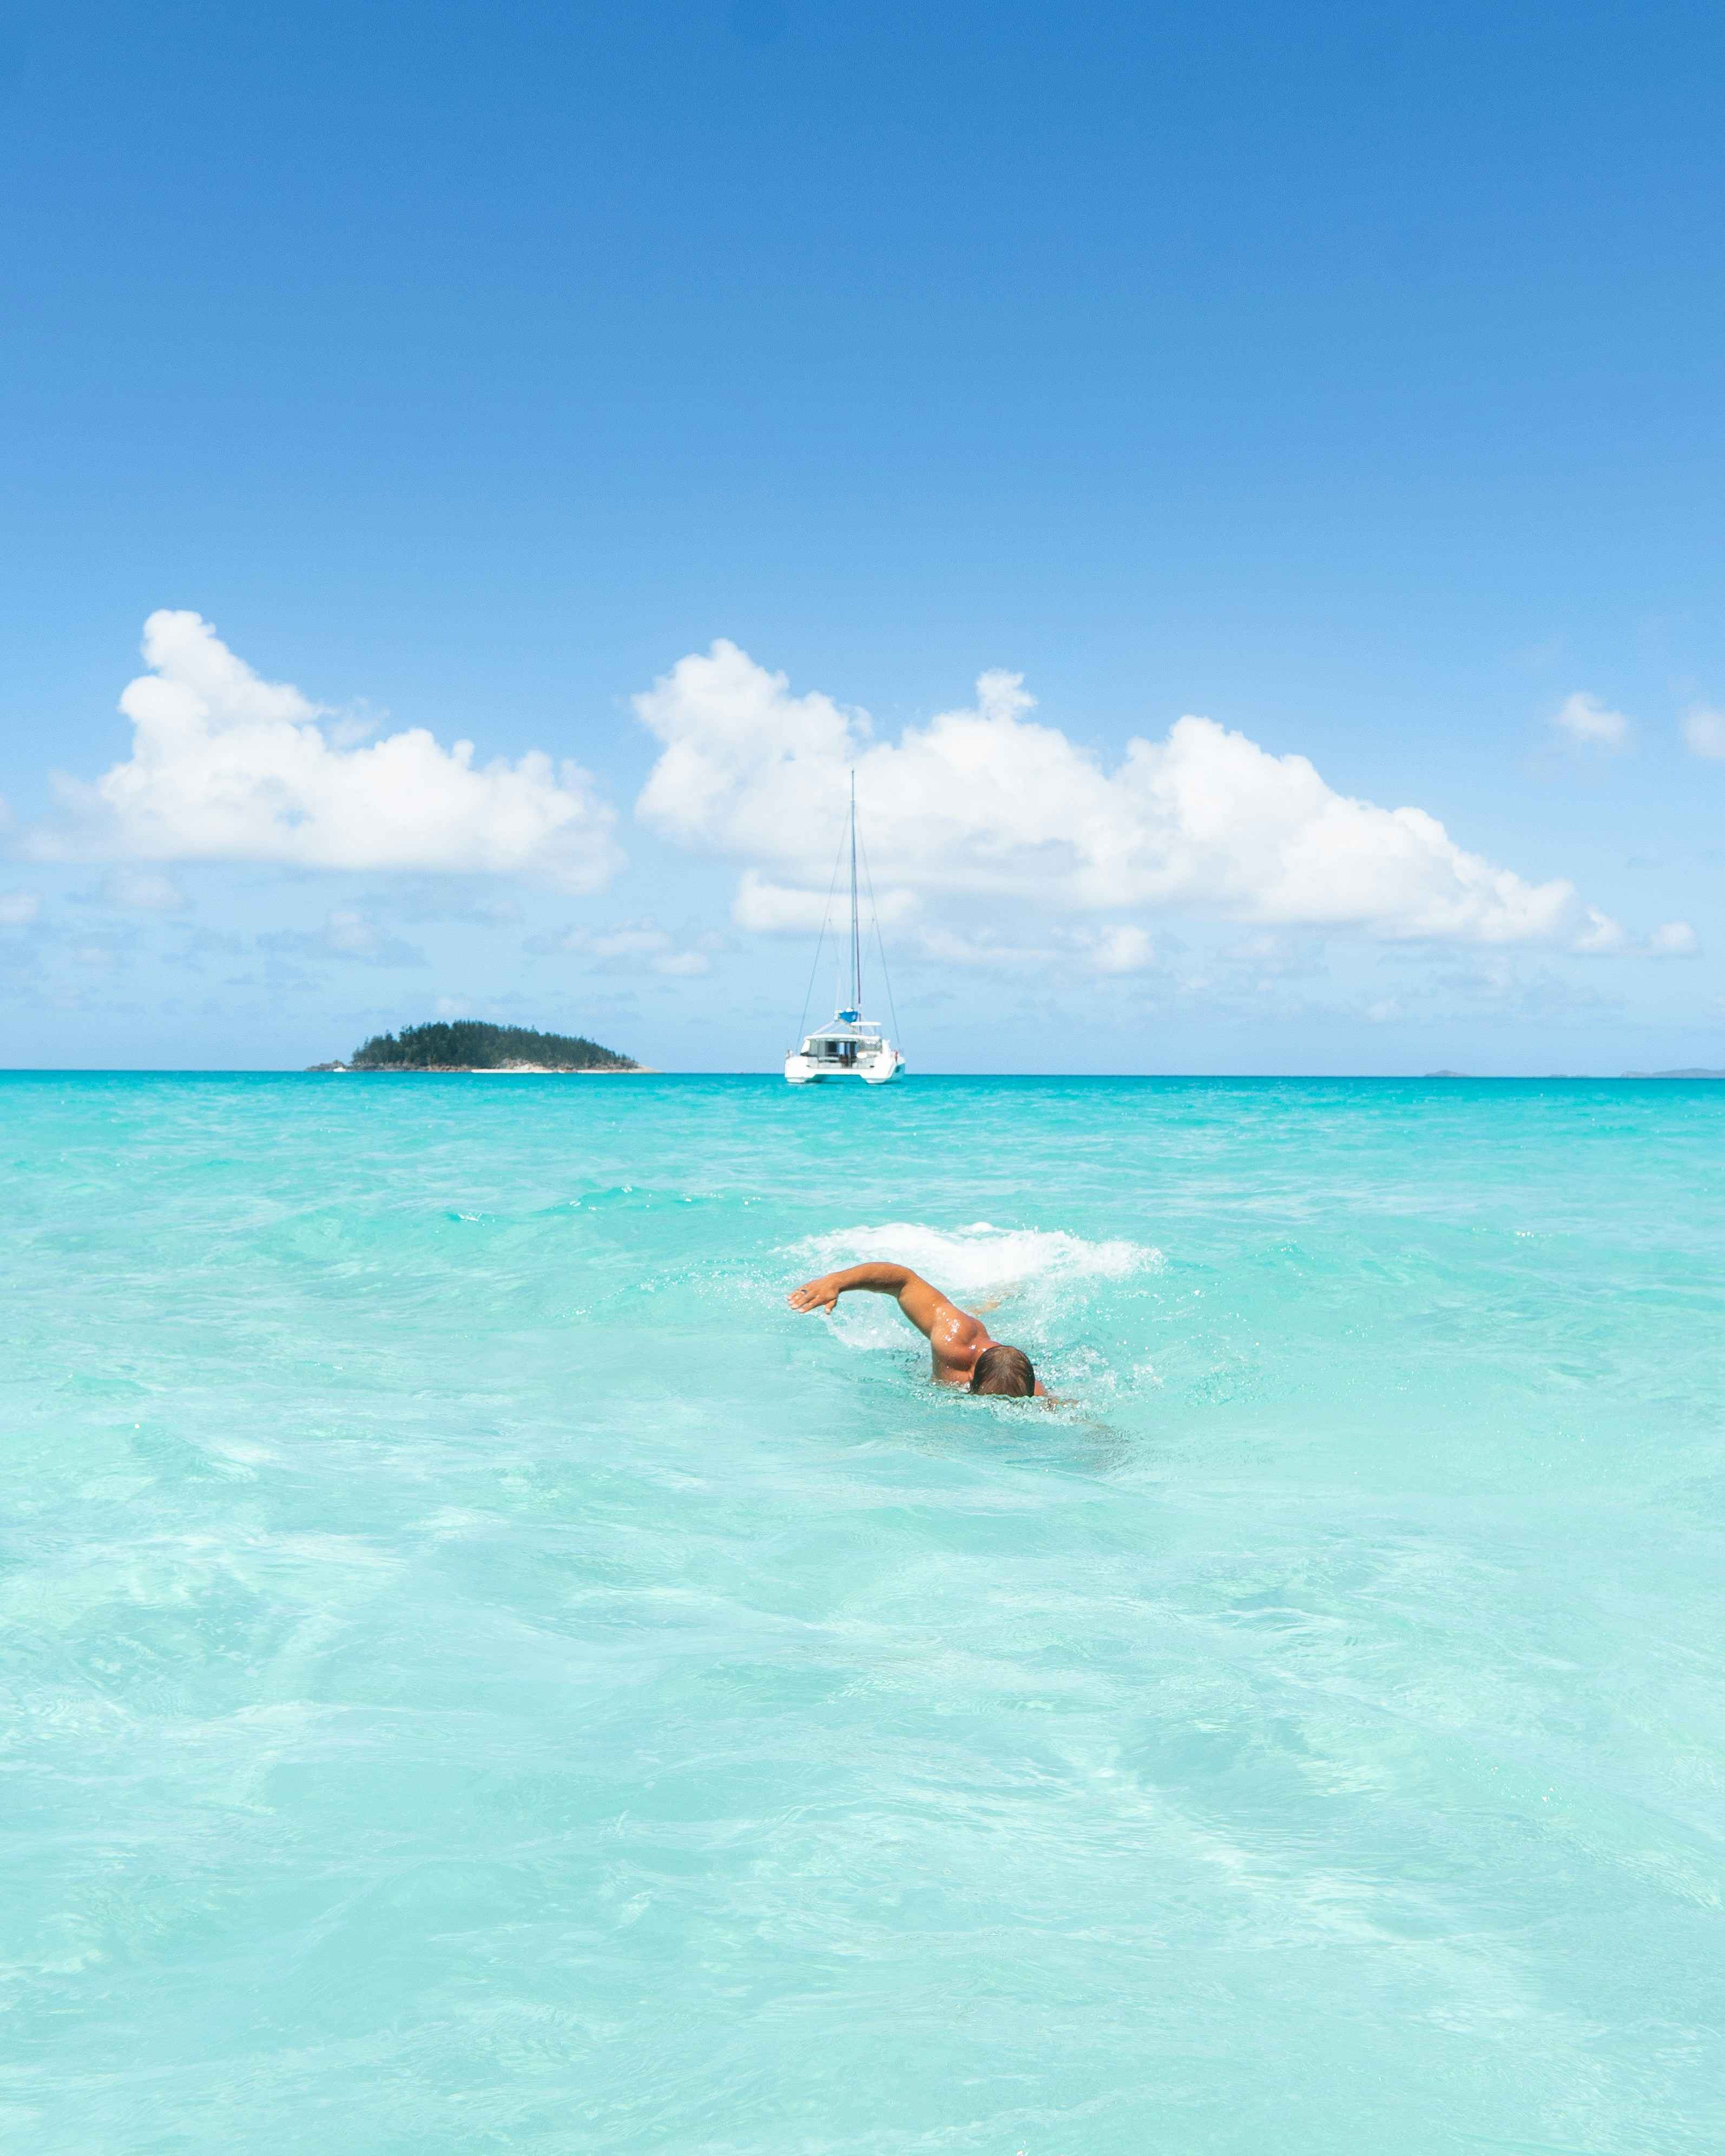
(869, 1070)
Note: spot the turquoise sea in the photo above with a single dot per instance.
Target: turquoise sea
(483, 1675)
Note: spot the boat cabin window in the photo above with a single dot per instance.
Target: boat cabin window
(845, 1049)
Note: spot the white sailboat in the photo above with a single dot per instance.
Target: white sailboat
(848, 1045)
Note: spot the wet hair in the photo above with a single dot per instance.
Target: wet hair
(1004, 1370)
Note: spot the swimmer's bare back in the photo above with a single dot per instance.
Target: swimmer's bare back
(958, 1343)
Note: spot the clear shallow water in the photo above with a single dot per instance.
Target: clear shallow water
(483, 1675)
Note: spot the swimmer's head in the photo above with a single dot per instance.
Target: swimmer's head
(1006, 1371)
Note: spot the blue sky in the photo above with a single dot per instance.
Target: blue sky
(1347, 377)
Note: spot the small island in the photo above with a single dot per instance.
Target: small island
(469, 1043)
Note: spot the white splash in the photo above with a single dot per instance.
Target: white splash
(1032, 1271)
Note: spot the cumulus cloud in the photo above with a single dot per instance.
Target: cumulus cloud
(1122, 949)
(989, 803)
(1704, 729)
(1118, 949)
(1588, 723)
(345, 933)
(775, 909)
(1674, 939)
(225, 766)
(147, 890)
(505, 1009)
(1602, 938)
(630, 946)
(100, 951)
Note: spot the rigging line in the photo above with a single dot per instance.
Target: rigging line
(820, 944)
(855, 940)
(881, 946)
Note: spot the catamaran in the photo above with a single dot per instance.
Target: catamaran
(848, 1045)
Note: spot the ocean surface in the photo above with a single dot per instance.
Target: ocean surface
(482, 1675)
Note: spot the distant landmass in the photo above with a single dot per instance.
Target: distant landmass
(1581, 1074)
(468, 1044)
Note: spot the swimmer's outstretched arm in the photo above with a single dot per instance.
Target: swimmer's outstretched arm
(923, 1305)
(954, 1336)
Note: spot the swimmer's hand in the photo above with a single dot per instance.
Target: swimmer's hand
(822, 1293)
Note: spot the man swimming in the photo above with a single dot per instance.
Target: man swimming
(963, 1352)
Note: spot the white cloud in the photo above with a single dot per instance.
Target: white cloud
(773, 909)
(227, 766)
(630, 946)
(1674, 939)
(144, 890)
(630, 939)
(1118, 949)
(18, 908)
(1121, 949)
(351, 936)
(1590, 724)
(345, 933)
(1704, 729)
(680, 965)
(101, 955)
(504, 1009)
(939, 944)
(987, 803)
(1601, 937)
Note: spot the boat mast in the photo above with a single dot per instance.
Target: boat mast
(856, 939)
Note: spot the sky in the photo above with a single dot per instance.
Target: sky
(1239, 485)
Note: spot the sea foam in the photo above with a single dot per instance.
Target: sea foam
(1031, 1270)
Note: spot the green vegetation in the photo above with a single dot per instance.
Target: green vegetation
(467, 1044)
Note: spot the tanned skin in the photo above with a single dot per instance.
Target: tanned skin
(955, 1337)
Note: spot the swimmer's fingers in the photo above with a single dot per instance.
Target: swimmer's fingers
(813, 1295)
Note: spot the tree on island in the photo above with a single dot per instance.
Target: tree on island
(468, 1044)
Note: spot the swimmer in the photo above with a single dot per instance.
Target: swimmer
(963, 1352)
